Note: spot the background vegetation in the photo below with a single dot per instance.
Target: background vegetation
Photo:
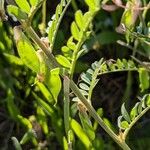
(107, 57)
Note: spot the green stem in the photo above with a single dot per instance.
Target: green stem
(134, 121)
(119, 70)
(43, 24)
(79, 44)
(34, 10)
(58, 24)
(94, 76)
(77, 92)
(66, 105)
(94, 114)
(37, 40)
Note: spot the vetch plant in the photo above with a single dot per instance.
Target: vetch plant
(37, 54)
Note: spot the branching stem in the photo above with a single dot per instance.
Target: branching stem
(134, 121)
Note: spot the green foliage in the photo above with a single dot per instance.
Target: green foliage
(26, 51)
(16, 143)
(23, 5)
(17, 12)
(144, 79)
(33, 98)
(126, 120)
(56, 19)
(80, 133)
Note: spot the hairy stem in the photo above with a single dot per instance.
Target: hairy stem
(77, 92)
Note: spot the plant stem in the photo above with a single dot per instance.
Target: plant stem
(43, 24)
(79, 44)
(134, 121)
(58, 24)
(37, 40)
(94, 114)
(76, 90)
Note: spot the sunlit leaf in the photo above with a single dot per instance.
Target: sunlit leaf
(26, 51)
(79, 19)
(144, 79)
(34, 2)
(80, 133)
(54, 83)
(45, 92)
(71, 44)
(24, 121)
(134, 111)
(124, 124)
(13, 59)
(17, 12)
(75, 31)
(24, 5)
(63, 61)
(147, 100)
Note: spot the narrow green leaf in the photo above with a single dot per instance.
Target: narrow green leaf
(26, 51)
(34, 2)
(144, 79)
(84, 86)
(52, 30)
(13, 59)
(147, 100)
(24, 121)
(134, 111)
(125, 113)
(47, 108)
(75, 31)
(24, 5)
(42, 120)
(91, 4)
(65, 143)
(54, 83)
(108, 123)
(57, 12)
(17, 12)
(28, 136)
(80, 134)
(87, 126)
(12, 108)
(16, 143)
(63, 61)
(66, 87)
(46, 93)
(79, 19)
